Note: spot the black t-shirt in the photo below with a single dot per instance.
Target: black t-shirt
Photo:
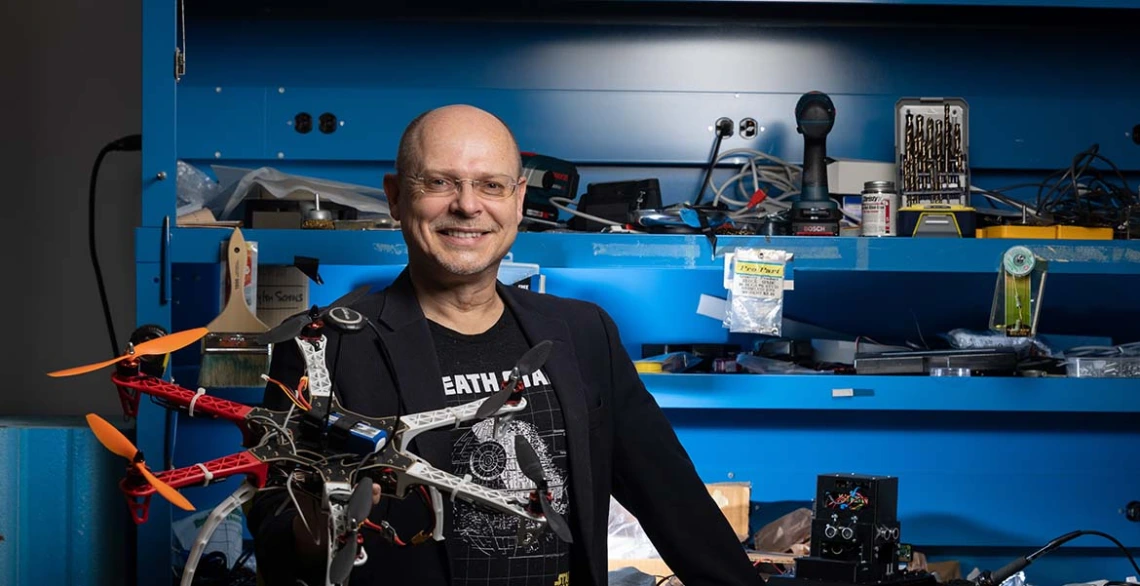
(483, 544)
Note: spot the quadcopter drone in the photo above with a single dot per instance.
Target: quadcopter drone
(334, 456)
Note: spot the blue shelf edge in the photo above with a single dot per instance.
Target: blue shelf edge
(594, 250)
(894, 393)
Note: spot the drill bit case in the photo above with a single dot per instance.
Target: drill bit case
(932, 151)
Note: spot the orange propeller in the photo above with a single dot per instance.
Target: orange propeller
(157, 346)
(114, 440)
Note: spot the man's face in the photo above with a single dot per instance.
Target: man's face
(462, 231)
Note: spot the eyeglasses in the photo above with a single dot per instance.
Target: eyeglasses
(494, 186)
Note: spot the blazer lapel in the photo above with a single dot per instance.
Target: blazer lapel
(569, 388)
(404, 332)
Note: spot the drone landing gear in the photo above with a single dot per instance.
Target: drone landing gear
(239, 497)
(129, 400)
(139, 507)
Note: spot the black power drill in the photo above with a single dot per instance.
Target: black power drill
(814, 213)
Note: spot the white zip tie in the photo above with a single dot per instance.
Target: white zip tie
(201, 391)
(466, 480)
(206, 472)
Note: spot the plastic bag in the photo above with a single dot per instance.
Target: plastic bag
(962, 338)
(367, 200)
(627, 540)
(780, 535)
(195, 190)
(1017, 579)
(755, 282)
(226, 539)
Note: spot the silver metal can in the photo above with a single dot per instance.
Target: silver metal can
(880, 209)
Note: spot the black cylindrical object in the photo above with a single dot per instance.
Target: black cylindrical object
(814, 213)
(815, 116)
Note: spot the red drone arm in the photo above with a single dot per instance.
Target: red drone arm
(139, 491)
(208, 405)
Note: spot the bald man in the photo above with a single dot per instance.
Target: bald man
(452, 331)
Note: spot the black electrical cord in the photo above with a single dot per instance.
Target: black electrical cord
(1001, 575)
(1058, 542)
(723, 128)
(335, 370)
(1083, 195)
(128, 143)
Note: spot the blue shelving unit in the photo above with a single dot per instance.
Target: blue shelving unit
(624, 95)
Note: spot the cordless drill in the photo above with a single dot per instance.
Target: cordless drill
(814, 213)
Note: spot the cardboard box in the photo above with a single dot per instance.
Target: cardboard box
(282, 291)
(734, 500)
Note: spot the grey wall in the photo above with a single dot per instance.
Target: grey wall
(69, 83)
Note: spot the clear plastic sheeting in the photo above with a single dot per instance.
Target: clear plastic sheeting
(366, 200)
(627, 540)
(1024, 346)
(195, 189)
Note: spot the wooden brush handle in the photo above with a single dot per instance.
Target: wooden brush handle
(237, 256)
(236, 315)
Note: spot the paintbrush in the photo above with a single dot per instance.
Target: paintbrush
(231, 356)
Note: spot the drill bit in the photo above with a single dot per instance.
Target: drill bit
(961, 158)
(938, 167)
(919, 151)
(930, 154)
(911, 146)
(946, 139)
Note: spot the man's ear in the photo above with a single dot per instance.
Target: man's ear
(521, 193)
(392, 192)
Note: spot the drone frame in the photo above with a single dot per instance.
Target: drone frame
(270, 438)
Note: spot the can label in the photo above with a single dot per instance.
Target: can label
(880, 213)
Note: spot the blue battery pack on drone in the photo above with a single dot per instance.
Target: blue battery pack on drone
(359, 437)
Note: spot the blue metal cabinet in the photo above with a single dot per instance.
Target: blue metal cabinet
(989, 468)
(61, 518)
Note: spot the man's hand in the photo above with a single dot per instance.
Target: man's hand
(375, 494)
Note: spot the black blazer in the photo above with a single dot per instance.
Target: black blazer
(620, 442)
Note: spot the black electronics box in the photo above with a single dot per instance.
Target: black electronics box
(547, 177)
(854, 536)
(873, 499)
(615, 201)
(995, 361)
(854, 529)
